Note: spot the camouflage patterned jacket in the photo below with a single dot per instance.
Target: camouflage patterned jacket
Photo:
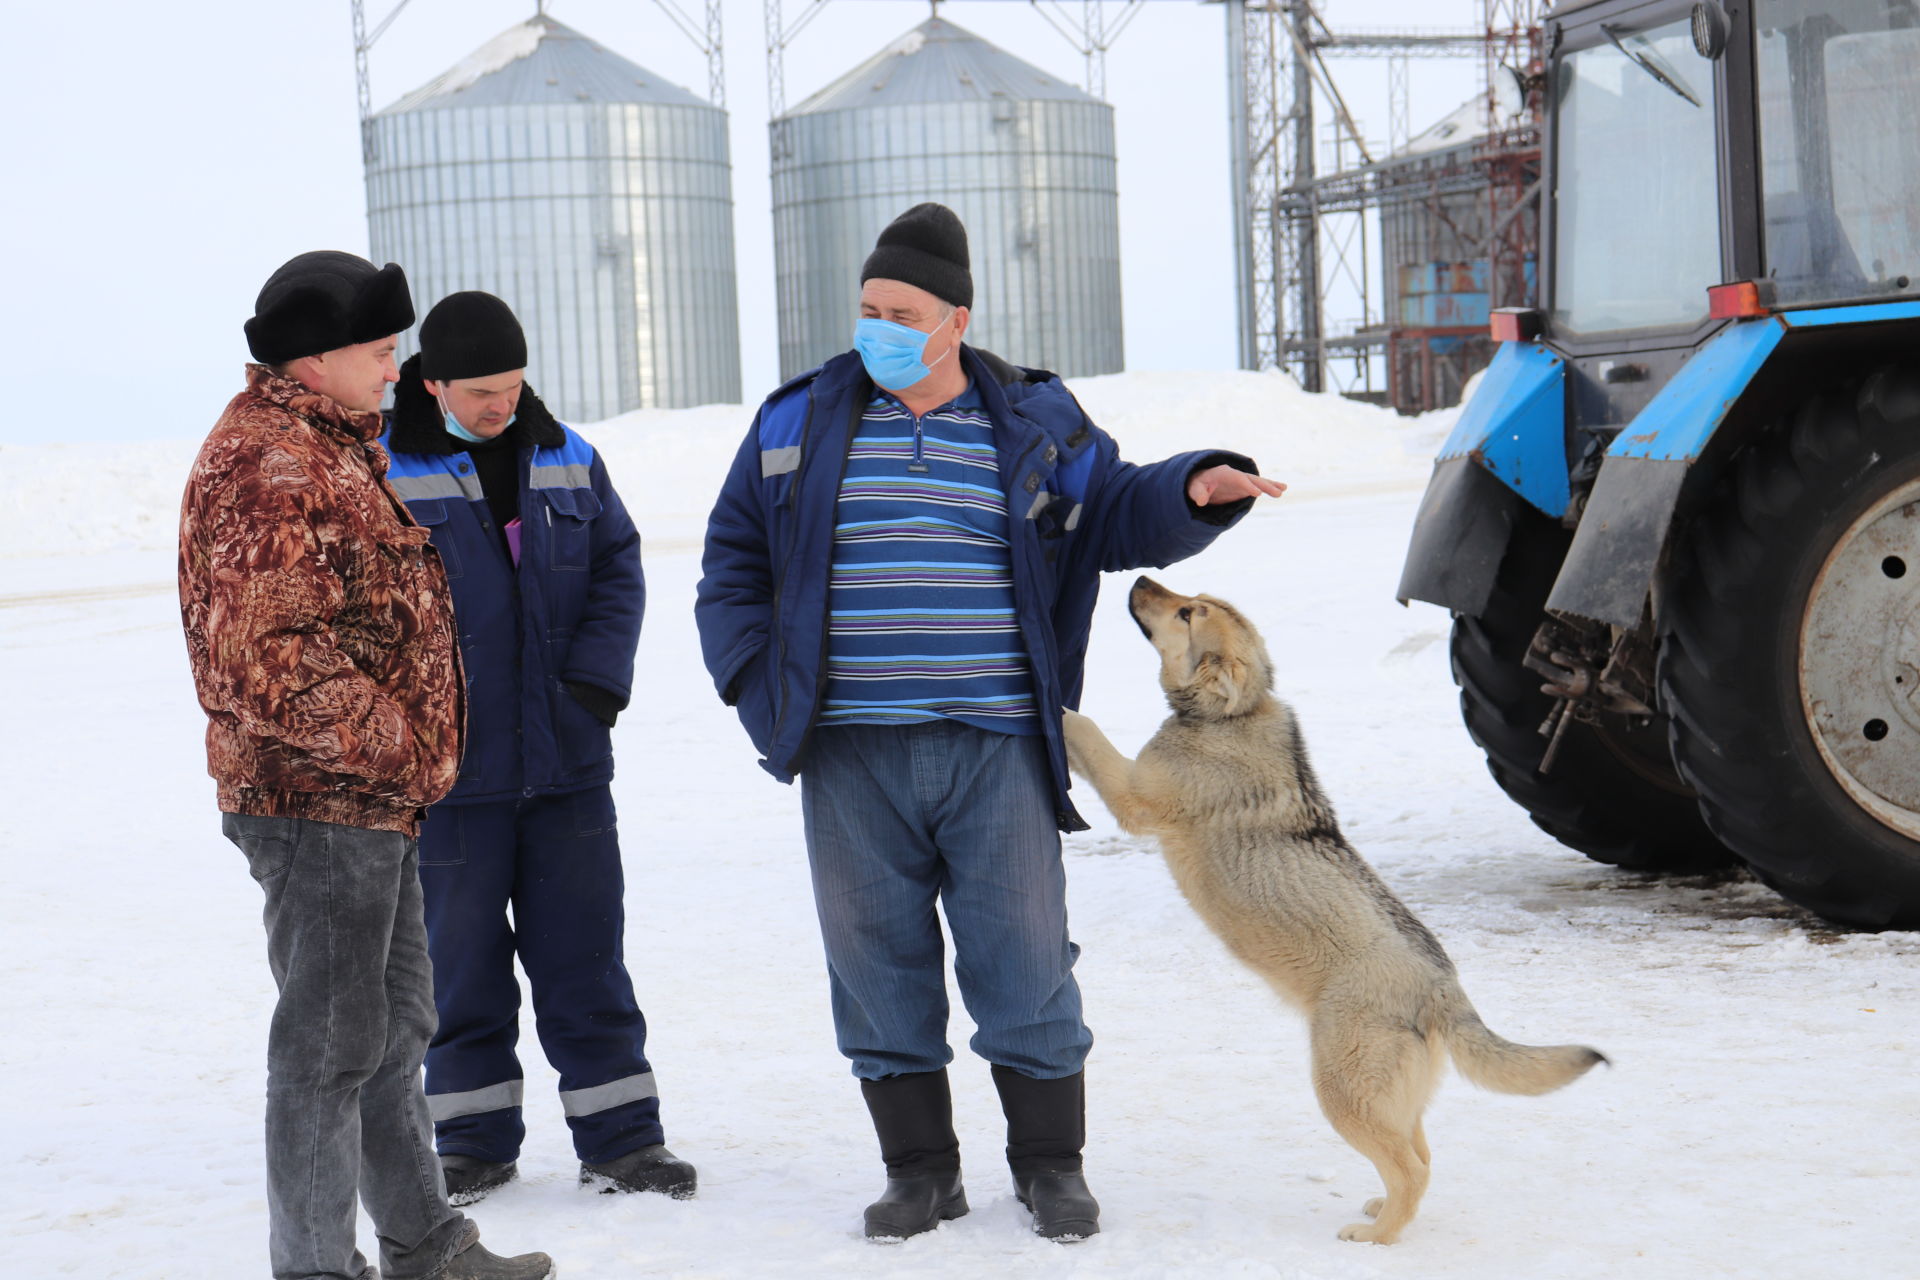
(318, 619)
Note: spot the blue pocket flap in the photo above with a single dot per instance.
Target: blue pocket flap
(428, 511)
(581, 504)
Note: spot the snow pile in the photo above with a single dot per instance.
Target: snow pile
(61, 499)
(1310, 441)
(668, 463)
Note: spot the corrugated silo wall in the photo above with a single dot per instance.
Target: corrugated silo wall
(1035, 184)
(608, 227)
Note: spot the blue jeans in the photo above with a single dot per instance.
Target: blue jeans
(556, 860)
(898, 817)
(345, 1114)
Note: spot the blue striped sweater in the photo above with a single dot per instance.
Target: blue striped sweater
(921, 618)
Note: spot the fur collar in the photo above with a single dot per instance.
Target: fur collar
(322, 411)
(419, 427)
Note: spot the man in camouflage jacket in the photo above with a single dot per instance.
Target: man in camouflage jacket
(319, 628)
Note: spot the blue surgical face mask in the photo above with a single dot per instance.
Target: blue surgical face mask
(895, 355)
(459, 432)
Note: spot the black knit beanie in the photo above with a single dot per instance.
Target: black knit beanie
(323, 300)
(926, 247)
(470, 335)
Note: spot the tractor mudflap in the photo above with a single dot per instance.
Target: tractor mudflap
(1620, 539)
(1508, 447)
(1459, 538)
(1624, 528)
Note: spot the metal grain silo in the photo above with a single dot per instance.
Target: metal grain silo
(1025, 159)
(591, 195)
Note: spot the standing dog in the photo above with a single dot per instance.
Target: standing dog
(1252, 842)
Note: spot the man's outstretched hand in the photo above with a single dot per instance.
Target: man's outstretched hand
(1223, 484)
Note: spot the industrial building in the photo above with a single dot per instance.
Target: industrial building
(1428, 237)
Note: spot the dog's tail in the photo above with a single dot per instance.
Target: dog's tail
(1499, 1064)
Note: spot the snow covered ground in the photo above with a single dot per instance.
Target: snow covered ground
(1762, 1118)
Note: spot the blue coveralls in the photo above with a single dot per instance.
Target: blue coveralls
(531, 822)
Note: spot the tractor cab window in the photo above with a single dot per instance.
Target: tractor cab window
(1636, 214)
(1839, 91)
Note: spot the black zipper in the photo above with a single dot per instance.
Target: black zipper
(919, 463)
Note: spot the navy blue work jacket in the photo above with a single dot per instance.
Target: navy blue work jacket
(1075, 510)
(571, 612)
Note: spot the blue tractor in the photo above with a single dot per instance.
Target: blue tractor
(1678, 524)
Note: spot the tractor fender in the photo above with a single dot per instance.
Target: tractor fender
(1507, 449)
(1708, 405)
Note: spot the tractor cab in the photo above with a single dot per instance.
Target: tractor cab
(1774, 147)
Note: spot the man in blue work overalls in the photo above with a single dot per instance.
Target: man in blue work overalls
(545, 569)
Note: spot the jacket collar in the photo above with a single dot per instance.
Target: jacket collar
(322, 411)
(1032, 398)
(1024, 404)
(419, 426)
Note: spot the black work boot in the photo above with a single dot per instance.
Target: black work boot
(651, 1168)
(475, 1262)
(913, 1118)
(1046, 1129)
(469, 1178)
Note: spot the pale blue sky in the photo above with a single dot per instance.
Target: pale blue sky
(161, 160)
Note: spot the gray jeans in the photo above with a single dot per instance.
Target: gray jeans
(346, 1115)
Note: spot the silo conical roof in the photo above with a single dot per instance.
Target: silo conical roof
(542, 61)
(939, 62)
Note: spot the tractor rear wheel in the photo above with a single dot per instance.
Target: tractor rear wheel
(1790, 654)
(1613, 793)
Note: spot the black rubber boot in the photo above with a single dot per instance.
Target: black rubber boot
(1062, 1207)
(913, 1118)
(915, 1203)
(651, 1168)
(469, 1178)
(1046, 1130)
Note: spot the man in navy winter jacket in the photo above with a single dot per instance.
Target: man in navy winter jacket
(547, 590)
(900, 574)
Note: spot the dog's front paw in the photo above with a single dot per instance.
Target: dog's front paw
(1080, 733)
(1368, 1233)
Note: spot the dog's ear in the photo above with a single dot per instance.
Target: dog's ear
(1224, 684)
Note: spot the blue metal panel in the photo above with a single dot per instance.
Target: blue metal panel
(1683, 415)
(1516, 425)
(1859, 314)
(1443, 310)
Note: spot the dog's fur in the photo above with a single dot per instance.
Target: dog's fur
(1252, 842)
